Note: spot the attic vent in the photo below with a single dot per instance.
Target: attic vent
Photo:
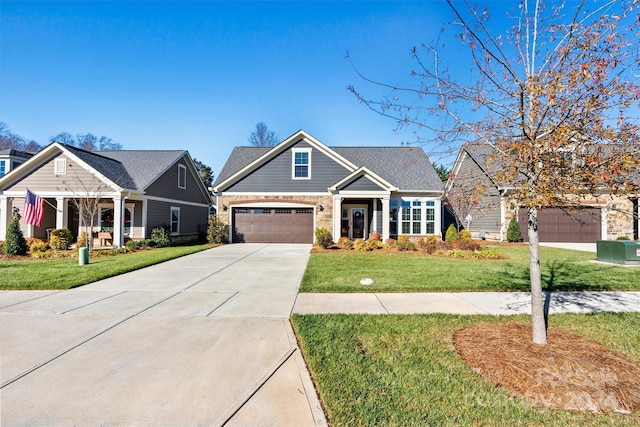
(60, 167)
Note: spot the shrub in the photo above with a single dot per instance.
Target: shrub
(513, 231)
(133, 245)
(345, 243)
(622, 238)
(60, 239)
(451, 234)
(464, 235)
(323, 237)
(82, 242)
(41, 254)
(428, 244)
(149, 243)
(405, 244)
(38, 246)
(161, 234)
(15, 243)
(468, 245)
(391, 243)
(366, 245)
(217, 231)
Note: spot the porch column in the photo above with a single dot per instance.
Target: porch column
(118, 222)
(4, 216)
(337, 217)
(437, 229)
(61, 213)
(385, 218)
(503, 217)
(144, 219)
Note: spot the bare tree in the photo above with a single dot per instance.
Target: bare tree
(263, 137)
(10, 140)
(87, 141)
(555, 96)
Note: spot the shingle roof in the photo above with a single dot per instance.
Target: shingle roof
(407, 168)
(129, 169)
(144, 166)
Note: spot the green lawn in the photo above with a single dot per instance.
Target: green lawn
(414, 272)
(66, 273)
(404, 371)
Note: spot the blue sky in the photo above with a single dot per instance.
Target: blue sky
(200, 75)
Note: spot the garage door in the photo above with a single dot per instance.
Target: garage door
(556, 225)
(273, 225)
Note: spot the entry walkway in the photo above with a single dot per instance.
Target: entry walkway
(200, 340)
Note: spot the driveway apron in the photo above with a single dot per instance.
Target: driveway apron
(200, 340)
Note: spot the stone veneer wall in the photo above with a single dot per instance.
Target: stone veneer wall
(323, 218)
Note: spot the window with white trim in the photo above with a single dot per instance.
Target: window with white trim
(415, 217)
(2, 167)
(175, 220)
(301, 163)
(60, 166)
(182, 176)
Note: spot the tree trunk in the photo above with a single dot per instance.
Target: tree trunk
(537, 305)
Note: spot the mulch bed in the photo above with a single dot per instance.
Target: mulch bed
(570, 372)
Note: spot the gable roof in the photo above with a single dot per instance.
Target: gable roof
(405, 168)
(143, 166)
(123, 170)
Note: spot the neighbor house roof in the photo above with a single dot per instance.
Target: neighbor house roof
(407, 168)
(143, 166)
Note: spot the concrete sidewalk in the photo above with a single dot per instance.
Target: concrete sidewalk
(200, 340)
(494, 303)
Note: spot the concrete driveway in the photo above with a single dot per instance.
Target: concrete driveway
(200, 340)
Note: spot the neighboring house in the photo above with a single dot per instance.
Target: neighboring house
(10, 159)
(282, 194)
(602, 217)
(137, 190)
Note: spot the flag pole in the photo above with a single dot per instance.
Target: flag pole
(45, 200)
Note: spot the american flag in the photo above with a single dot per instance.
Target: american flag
(33, 209)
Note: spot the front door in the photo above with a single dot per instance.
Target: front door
(358, 223)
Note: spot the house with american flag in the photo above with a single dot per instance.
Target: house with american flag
(115, 195)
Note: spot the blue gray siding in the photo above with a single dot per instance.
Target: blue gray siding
(361, 183)
(166, 186)
(193, 219)
(275, 175)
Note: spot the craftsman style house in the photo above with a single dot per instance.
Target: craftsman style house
(283, 193)
(135, 191)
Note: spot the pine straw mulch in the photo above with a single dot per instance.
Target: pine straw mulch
(570, 372)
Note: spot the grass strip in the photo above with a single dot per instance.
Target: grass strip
(65, 273)
(404, 371)
(562, 270)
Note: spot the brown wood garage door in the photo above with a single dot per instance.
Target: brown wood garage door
(556, 225)
(273, 225)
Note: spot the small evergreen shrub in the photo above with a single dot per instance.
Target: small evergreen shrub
(60, 239)
(391, 243)
(513, 231)
(345, 243)
(133, 245)
(14, 242)
(405, 244)
(161, 234)
(622, 238)
(464, 235)
(323, 237)
(217, 231)
(149, 243)
(451, 234)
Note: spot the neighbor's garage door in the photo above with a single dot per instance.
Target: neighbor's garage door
(273, 225)
(556, 225)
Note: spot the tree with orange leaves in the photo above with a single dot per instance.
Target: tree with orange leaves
(555, 95)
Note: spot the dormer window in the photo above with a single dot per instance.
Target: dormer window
(182, 176)
(301, 163)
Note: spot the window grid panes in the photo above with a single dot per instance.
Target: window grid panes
(175, 220)
(301, 165)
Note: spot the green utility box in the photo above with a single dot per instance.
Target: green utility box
(618, 251)
(83, 256)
